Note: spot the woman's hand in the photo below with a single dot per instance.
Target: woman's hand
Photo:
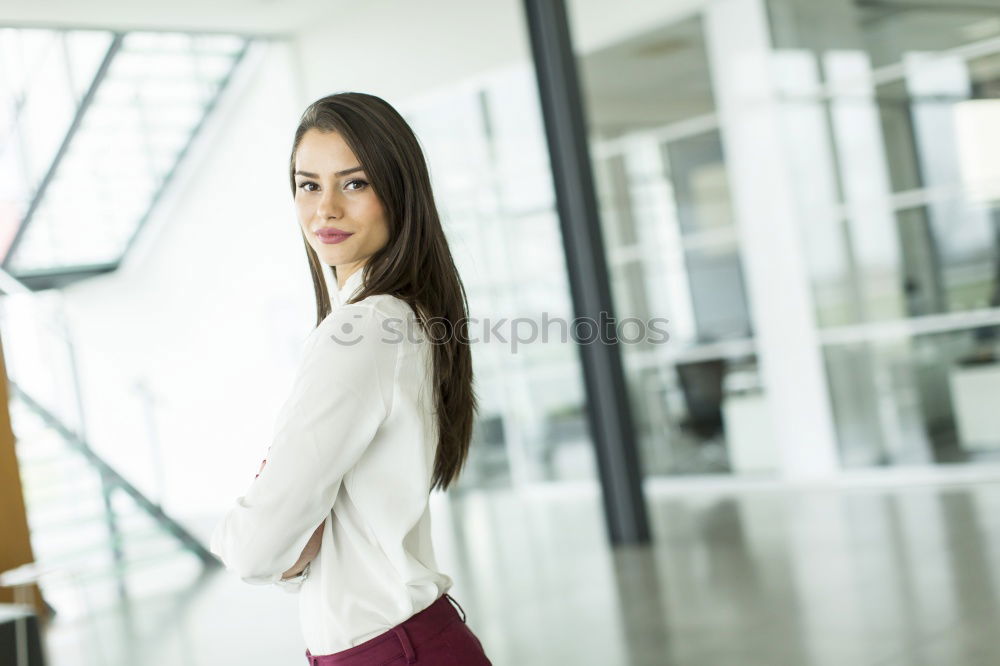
(312, 546)
(308, 553)
(262, 463)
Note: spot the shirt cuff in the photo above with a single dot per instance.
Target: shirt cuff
(294, 583)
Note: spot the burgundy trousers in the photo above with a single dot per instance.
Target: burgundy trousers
(436, 636)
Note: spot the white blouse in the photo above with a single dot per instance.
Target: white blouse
(354, 448)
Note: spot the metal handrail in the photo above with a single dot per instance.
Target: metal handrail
(116, 480)
(110, 477)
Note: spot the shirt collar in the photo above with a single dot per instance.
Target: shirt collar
(351, 287)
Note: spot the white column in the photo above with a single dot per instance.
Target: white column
(763, 184)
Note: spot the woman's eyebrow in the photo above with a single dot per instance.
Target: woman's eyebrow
(309, 174)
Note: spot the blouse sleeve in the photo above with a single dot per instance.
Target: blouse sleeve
(294, 584)
(341, 394)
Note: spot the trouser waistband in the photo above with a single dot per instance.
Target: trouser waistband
(403, 639)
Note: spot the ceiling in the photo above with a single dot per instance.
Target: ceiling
(650, 80)
(270, 17)
(661, 76)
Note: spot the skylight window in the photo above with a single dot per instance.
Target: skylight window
(93, 124)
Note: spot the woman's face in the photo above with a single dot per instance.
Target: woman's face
(333, 195)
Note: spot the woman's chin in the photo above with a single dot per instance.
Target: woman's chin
(330, 257)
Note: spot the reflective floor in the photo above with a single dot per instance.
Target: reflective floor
(878, 577)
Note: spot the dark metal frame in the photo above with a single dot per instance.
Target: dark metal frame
(609, 411)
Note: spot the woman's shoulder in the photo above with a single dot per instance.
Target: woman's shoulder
(384, 314)
(389, 305)
(375, 304)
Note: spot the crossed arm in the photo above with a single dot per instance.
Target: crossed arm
(308, 553)
(311, 550)
(340, 397)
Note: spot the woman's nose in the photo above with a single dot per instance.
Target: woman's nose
(329, 206)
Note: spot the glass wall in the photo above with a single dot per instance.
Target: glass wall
(673, 252)
(486, 147)
(883, 126)
(909, 302)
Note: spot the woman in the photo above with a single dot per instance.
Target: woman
(381, 409)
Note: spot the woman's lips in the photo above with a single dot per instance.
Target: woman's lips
(331, 237)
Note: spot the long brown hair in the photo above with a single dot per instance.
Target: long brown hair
(416, 263)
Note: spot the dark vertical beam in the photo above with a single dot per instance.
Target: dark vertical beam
(608, 409)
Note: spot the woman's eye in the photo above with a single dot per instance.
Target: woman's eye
(357, 184)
